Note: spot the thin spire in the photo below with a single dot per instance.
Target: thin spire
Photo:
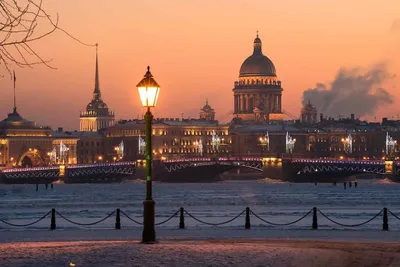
(257, 33)
(15, 99)
(206, 101)
(96, 93)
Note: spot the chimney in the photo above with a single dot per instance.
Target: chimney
(321, 116)
(60, 129)
(352, 117)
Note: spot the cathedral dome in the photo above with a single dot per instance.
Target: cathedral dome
(257, 64)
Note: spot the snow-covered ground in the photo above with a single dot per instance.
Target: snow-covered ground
(215, 233)
(282, 253)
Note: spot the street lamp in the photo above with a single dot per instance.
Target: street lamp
(148, 91)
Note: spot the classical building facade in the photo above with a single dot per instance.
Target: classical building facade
(258, 92)
(171, 138)
(23, 143)
(97, 115)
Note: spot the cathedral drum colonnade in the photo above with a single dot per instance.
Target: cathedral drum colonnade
(258, 93)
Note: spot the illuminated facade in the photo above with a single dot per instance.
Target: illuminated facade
(258, 92)
(91, 147)
(23, 143)
(171, 138)
(96, 116)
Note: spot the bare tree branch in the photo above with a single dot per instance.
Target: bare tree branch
(19, 22)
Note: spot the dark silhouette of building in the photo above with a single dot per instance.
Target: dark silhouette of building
(207, 113)
(309, 114)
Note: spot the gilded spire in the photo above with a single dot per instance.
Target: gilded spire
(97, 93)
(15, 99)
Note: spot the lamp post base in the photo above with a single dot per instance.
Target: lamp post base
(149, 232)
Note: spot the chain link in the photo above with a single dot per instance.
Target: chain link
(349, 225)
(127, 216)
(394, 215)
(281, 224)
(85, 224)
(168, 218)
(28, 224)
(215, 224)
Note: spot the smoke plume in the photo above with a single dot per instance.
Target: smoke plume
(354, 91)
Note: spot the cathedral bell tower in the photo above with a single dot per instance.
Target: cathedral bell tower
(96, 116)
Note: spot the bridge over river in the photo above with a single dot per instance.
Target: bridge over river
(295, 169)
(206, 169)
(84, 173)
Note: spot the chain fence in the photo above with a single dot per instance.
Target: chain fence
(182, 212)
(26, 224)
(85, 224)
(281, 224)
(349, 225)
(214, 224)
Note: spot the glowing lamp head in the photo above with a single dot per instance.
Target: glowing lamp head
(148, 90)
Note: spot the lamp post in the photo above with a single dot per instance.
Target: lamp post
(148, 92)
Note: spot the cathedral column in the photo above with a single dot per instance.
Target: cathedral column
(244, 107)
(247, 103)
(236, 103)
(280, 103)
(269, 99)
(274, 103)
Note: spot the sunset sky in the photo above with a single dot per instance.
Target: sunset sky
(195, 50)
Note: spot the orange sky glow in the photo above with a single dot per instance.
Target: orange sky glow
(195, 49)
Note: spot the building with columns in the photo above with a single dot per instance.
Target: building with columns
(24, 143)
(97, 115)
(258, 92)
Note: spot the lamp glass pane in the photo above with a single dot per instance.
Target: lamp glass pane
(148, 96)
(157, 94)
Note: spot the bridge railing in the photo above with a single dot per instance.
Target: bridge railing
(180, 213)
(337, 161)
(48, 168)
(56, 167)
(208, 159)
